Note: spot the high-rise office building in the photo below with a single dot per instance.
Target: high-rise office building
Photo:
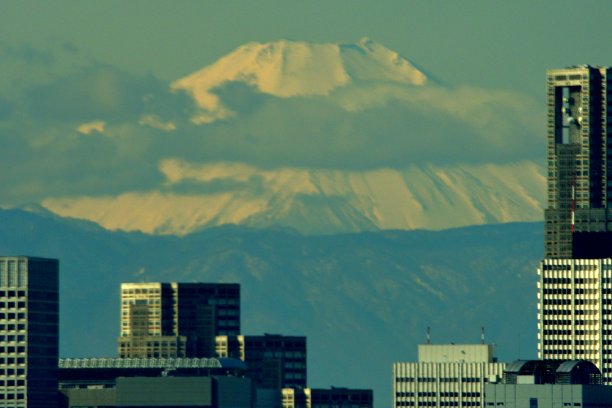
(274, 361)
(574, 287)
(176, 319)
(29, 332)
(446, 375)
(578, 220)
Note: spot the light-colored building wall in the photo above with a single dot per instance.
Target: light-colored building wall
(465, 353)
(437, 381)
(575, 311)
(547, 396)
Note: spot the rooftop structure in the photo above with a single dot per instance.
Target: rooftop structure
(458, 353)
(549, 384)
(552, 372)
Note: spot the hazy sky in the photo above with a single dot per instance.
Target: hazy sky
(488, 43)
(85, 107)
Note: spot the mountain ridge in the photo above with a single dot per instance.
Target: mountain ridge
(322, 138)
(377, 289)
(316, 202)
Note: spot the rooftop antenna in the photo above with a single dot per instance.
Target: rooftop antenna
(482, 335)
(428, 336)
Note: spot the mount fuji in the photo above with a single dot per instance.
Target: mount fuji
(416, 177)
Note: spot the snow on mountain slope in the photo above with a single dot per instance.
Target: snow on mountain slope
(321, 201)
(291, 68)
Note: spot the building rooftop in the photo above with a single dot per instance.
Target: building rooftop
(552, 372)
(456, 353)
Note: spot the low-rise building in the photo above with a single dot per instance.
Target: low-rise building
(446, 375)
(163, 382)
(549, 384)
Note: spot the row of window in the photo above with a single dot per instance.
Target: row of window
(12, 293)
(12, 316)
(557, 342)
(567, 322)
(577, 291)
(569, 351)
(12, 383)
(12, 360)
(577, 281)
(19, 396)
(561, 332)
(10, 372)
(434, 394)
(434, 404)
(433, 379)
(12, 349)
(12, 305)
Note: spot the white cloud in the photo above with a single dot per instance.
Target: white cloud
(157, 123)
(90, 127)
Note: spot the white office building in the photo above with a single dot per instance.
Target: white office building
(446, 375)
(575, 311)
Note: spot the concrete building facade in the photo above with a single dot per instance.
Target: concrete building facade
(176, 319)
(549, 384)
(449, 375)
(29, 331)
(575, 311)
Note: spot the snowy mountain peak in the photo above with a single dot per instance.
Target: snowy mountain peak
(295, 68)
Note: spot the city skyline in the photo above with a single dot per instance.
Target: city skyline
(326, 141)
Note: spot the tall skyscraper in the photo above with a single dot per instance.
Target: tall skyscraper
(575, 278)
(176, 319)
(29, 332)
(578, 220)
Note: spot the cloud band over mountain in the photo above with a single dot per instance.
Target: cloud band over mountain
(100, 131)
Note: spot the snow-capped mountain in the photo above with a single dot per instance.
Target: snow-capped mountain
(260, 167)
(294, 68)
(427, 197)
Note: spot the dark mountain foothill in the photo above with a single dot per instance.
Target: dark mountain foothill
(364, 300)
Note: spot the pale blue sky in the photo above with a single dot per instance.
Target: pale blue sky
(484, 43)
